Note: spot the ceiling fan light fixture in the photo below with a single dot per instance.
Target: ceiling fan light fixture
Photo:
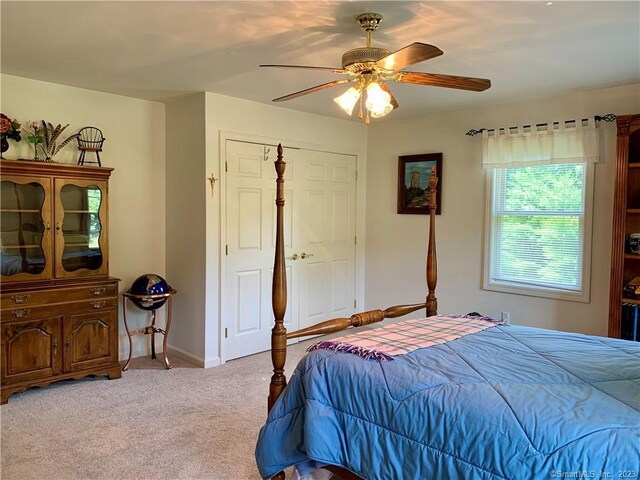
(348, 100)
(378, 100)
(381, 113)
(372, 67)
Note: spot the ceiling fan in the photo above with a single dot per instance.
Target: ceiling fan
(370, 67)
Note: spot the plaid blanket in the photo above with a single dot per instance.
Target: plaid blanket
(399, 338)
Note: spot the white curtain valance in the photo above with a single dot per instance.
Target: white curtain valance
(528, 147)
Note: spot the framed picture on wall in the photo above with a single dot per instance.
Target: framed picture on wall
(413, 182)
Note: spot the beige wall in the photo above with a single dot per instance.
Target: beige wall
(194, 125)
(186, 221)
(134, 147)
(236, 116)
(396, 243)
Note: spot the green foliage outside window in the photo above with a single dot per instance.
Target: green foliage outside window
(538, 225)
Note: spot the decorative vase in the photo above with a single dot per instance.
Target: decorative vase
(4, 145)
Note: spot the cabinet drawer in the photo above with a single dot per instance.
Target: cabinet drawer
(27, 312)
(58, 295)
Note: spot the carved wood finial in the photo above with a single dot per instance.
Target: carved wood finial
(432, 264)
(623, 123)
(279, 293)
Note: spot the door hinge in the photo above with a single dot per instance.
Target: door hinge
(226, 166)
(354, 303)
(355, 240)
(226, 249)
(356, 175)
(226, 333)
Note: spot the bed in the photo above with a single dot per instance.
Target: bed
(506, 402)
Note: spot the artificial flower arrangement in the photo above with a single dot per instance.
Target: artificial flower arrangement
(9, 129)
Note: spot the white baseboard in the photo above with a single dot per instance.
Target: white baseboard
(124, 355)
(194, 360)
(186, 356)
(212, 362)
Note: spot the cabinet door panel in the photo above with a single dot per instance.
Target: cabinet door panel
(30, 350)
(91, 340)
(81, 227)
(25, 228)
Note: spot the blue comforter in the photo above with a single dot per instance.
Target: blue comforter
(508, 402)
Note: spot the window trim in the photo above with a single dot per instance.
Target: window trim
(584, 295)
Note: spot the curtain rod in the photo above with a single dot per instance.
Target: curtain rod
(609, 117)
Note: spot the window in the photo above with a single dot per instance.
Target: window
(539, 230)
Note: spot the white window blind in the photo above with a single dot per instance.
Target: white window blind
(537, 228)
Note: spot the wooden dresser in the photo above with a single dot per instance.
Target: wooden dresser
(59, 306)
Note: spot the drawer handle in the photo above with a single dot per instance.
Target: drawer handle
(98, 291)
(20, 298)
(98, 304)
(20, 313)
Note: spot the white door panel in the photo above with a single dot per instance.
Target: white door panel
(328, 209)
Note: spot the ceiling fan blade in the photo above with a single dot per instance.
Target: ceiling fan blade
(386, 88)
(317, 88)
(327, 69)
(447, 81)
(415, 53)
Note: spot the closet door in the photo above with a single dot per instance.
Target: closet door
(247, 317)
(319, 242)
(326, 232)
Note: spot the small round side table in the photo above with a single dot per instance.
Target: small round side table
(149, 329)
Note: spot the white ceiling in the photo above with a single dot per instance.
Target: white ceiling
(155, 50)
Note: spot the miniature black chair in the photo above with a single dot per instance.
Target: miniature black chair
(90, 139)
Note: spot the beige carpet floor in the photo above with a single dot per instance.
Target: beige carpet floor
(184, 423)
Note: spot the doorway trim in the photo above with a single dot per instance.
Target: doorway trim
(361, 182)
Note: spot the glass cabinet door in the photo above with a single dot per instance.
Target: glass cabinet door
(80, 227)
(25, 225)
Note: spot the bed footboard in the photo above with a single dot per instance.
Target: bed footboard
(356, 320)
(279, 335)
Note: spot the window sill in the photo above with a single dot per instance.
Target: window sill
(551, 293)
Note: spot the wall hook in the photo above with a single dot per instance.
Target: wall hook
(212, 182)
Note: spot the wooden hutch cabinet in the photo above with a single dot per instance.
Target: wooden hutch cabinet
(59, 307)
(625, 265)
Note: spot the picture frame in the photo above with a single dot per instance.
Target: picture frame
(414, 172)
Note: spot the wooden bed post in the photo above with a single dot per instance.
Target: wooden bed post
(279, 293)
(432, 263)
(279, 333)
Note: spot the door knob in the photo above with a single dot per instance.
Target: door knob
(304, 255)
(294, 257)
